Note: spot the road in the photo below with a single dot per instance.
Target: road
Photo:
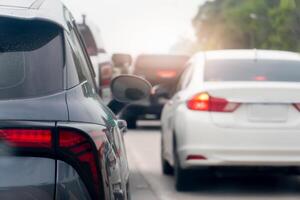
(148, 183)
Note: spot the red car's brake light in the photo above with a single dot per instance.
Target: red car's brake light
(106, 74)
(166, 74)
(204, 102)
(27, 138)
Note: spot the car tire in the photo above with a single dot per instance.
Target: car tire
(128, 193)
(131, 123)
(182, 176)
(167, 169)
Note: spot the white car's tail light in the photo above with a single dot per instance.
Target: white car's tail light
(196, 157)
(204, 102)
(297, 105)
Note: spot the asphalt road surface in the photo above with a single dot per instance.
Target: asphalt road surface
(148, 183)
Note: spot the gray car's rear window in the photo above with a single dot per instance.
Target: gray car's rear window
(251, 70)
(31, 58)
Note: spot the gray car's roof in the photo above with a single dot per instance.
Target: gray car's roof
(48, 10)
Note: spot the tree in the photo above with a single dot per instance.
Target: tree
(248, 24)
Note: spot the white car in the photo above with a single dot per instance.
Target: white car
(100, 59)
(234, 108)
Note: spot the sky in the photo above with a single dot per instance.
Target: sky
(139, 26)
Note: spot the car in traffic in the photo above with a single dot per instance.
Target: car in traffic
(122, 63)
(162, 71)
(233, 109)
(100, 59)
(58, 140)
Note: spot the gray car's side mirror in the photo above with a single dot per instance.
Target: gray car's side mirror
(128, 89)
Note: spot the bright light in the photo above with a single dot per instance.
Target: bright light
(139, 26)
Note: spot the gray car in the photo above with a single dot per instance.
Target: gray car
(57, 138)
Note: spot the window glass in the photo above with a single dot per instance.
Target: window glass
(31, 60)
(251, 70)
(80, 59)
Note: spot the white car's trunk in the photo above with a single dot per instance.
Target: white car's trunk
(263, 104)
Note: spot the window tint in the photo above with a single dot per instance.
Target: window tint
(74, 61)
(74, 73)
(188, 77)
(250, 70)
(185, 78)
(31, 60)
(79, 59)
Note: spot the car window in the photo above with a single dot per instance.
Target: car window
(185, 78)
(251, 70)
(31, 60)
(80, 59)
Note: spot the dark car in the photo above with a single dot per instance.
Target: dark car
(57, 139)
(162, 71)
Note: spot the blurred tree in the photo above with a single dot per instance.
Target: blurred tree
(262, 24)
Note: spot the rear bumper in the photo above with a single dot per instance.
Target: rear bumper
(239, 157)
(197, 135)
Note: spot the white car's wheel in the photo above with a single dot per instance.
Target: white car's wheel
(181, 175)
(167, 169)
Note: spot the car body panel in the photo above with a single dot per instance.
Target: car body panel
(82, 100)
(45, 108)
(47, 10)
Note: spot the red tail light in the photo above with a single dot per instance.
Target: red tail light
(78, 147)
(204, 102)
(297, 105)
(106, 74)
(27, 138)
(196, 157)
(166, 73)
(71, 146)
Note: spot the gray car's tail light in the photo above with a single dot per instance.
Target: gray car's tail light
(27, 138)
(204, 102)
(70, 145)
(78, 149)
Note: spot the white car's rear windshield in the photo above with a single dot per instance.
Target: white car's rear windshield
(31, 58)
(251, 70)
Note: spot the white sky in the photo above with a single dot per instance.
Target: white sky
(139, 26)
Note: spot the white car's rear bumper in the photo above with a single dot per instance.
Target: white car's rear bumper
(197, 135)
(239, 157)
